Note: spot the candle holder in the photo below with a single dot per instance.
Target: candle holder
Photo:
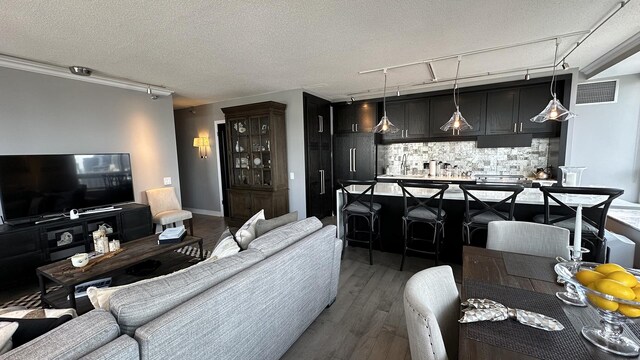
(571, 296)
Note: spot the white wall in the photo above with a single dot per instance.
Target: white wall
(199, 176)
(41, 114)
(606, 139)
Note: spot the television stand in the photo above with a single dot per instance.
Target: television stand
(99, 210)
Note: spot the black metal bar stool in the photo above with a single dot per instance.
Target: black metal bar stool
(481, 214)
(417, 211)
(594, 216)
(359, 204)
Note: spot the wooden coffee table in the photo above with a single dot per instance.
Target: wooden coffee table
(68, 277)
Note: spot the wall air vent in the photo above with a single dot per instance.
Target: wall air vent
(597, 92)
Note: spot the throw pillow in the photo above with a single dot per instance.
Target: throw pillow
(247, 232)
(264, 226)
(35, 322)
(226, 246)
(6, 332)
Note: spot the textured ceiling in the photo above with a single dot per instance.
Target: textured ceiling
(215, 50)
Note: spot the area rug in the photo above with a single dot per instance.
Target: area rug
(32, 301)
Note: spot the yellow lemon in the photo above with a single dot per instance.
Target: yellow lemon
(614, 288)
(637, 291)
(586, 277)
(608, 268)
(622, 277)
(600, 302)
(629, 310)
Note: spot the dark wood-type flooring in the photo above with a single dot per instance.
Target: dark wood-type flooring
(365, 322)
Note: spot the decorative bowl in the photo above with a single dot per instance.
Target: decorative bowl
(608, 336)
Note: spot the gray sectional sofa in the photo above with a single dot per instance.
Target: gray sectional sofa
(252, 305)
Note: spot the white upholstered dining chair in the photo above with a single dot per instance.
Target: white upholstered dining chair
(166, 209)
(431, 307)
(528, 238)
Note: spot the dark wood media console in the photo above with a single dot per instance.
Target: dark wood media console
(23, 248)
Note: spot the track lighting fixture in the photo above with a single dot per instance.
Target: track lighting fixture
(457, 122)
(398, 92)
(554, 110)
(385, 126)
(80, 70)
(565, 65)
(527, 77)
(151, 94)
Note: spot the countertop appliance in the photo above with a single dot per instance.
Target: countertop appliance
(489, 179)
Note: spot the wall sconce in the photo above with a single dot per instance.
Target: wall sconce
(201, 143)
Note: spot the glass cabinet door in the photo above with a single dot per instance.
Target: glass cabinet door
(251, 151)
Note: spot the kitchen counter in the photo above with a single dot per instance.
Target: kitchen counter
(460, 179)
(627, 216)
(530, 196)
(530, 203)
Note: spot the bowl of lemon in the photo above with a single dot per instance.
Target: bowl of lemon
(614, 293)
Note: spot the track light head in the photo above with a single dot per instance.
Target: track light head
(565, 65)
(527, 77)
(151, 94)
(350, 101)
(80, 70)
(398, 92)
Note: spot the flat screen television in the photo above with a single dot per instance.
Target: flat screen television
(33, 186)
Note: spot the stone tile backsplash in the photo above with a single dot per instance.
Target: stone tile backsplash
(465, 154)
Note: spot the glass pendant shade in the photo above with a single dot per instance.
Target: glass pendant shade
(457, 122)
(385, 126)
(554, 111)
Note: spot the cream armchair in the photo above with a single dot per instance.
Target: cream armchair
(166, 209)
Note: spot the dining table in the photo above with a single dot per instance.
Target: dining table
(529, 283)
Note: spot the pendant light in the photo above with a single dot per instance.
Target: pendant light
(457, 122)
(554, 110)
(385, 126)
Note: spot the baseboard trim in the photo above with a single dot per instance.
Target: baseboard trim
(205, 212)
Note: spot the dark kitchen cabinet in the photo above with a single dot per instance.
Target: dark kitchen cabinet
(502, 112)
(317, 127)
(411, 117)
(354, 156)
(473, 107)
(509, 111)
(358, 117)
(532, 100)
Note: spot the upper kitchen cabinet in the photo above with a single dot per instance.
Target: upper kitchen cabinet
(473, 107)
(532, 100)
(502, 112)
(411, 117)
(509, 111)
(358, 117)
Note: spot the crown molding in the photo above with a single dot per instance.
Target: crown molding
(62, 72)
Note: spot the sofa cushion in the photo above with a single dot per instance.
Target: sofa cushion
(122, 348)
(247, 232)
(70, 340)
(143, 301)
(264, 226)
(7, 329)
(278, 239)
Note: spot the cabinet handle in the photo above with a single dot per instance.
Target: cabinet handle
(514, 127)
(320, 124)
(356, 127)
(353, 128)
(354, 160)
(520, 127)
(321, 182)
(350, 160)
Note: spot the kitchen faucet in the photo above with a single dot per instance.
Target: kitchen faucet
(403, 164)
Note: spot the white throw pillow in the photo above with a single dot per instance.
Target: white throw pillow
(6, 332)
(247, 232)
(225, 247)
